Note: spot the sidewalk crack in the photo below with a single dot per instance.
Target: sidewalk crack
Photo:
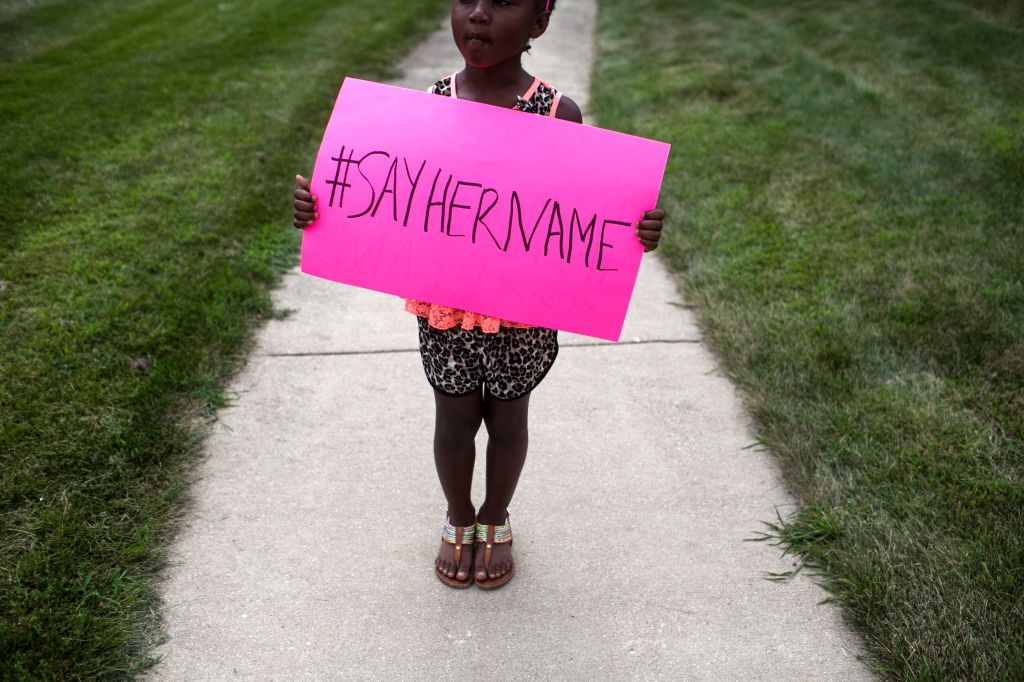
(417, 350)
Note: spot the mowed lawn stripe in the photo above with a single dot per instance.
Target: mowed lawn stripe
(153, 68)
(849, 176)
(31, 28)
(147, 168)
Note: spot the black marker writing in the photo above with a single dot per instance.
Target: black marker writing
(373, 192)
(393, 177)
(452, 206)
(341, 161)
(431, 203)
(517, 209)
(556, 214)
(466, 208)
(601, 247)
(585, 236)
(479, 220)
(412, 192)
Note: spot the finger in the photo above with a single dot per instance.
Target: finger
(305, 206)
(649, 245)
(655, 214)
(301, 192)
(649, 235)
(649, 225)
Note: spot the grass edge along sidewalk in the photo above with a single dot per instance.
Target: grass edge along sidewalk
(850, 177)
(132, 271)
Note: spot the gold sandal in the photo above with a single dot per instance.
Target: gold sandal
(458, 536)
(492, 534)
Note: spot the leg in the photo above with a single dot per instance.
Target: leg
(456, 423)
(507, 442)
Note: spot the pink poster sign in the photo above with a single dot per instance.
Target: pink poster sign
(473, 206)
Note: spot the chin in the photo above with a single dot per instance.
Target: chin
(477, 64)
(477, 61)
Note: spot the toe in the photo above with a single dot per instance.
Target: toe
(464, 566)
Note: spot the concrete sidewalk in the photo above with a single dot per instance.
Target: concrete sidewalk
(309, 553)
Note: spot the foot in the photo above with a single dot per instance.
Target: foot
(446, 554)
(501, 553)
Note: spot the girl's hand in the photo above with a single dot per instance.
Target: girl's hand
(648, 230)
(305, 204)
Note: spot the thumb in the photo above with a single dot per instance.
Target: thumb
(303, 182)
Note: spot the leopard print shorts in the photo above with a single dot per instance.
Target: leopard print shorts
(510, 363)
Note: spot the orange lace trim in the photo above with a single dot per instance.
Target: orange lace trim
(443, 317)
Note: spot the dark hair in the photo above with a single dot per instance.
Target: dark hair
(540, 5)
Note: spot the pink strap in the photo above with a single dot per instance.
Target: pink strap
(533, 88)
(554, 104)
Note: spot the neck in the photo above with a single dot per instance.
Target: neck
(506, 75)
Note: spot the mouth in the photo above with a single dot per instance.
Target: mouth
(476, 39)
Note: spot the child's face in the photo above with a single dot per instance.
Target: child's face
(503, 27)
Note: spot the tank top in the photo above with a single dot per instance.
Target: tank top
(540, 98)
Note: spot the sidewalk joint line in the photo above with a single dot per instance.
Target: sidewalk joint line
(417, 350)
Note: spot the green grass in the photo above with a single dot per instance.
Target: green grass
(850, 177)
(147, 157)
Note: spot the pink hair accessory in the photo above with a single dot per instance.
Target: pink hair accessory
(547, 6)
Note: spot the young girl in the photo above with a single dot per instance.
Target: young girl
(484, 368)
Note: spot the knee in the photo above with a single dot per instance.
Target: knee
(456, 432)
(509, 430)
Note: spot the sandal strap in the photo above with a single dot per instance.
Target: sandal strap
(502, 532)
(468, 533)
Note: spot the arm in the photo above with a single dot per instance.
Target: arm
(568, 110)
